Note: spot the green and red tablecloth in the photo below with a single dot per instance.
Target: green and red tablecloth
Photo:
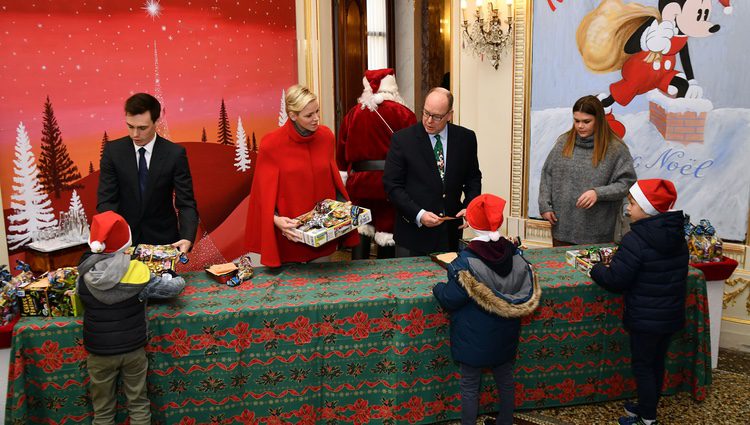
(347, 343)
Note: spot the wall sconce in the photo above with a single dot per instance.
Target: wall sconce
(484, 35)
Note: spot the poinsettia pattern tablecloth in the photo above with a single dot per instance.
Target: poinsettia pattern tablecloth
(347, 343)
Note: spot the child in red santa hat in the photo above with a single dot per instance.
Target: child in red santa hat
(490, 286)
(650, 269)
(114, 290)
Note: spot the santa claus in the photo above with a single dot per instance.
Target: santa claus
(363, 142)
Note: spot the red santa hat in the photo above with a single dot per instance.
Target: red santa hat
(109, 233)
(727, 6)
(485, 213)
(379, 85)
(654, 196)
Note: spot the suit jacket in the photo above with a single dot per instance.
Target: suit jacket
(412, 182)
(152, 219)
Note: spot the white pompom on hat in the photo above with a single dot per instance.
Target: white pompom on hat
(485, 213)
(654, 196)
(109, 233)
(727, 6)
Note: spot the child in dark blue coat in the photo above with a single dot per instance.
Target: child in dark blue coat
(650, 268)
(490, 286)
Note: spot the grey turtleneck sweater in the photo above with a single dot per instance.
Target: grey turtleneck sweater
(565, 179)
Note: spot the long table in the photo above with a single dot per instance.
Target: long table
(345, 343)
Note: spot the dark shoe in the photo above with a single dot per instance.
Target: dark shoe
(631, 408)
(634, 420)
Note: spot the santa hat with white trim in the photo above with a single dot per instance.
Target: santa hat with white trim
(109, 233)
(727, 6)
(485, 213)
(379, 86)
(654, 196)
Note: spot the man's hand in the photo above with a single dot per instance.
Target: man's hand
(587, 199)
(430, 220)
(460, 214)
(287, 226)
(183, 245)
(550, 216)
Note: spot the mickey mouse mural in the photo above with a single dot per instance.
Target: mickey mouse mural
(643, 43)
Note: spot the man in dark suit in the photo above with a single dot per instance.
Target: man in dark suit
(428, 167)
(145, 178)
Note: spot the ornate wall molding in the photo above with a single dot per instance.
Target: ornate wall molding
(521, 91)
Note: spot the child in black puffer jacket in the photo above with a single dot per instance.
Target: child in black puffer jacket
(490, 286)
(650, 268)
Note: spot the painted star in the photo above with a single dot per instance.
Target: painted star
(152, 8)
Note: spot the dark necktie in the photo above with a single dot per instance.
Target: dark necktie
(439, 159)
(142, 169)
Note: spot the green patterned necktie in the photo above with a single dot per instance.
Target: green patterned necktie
(439, 156)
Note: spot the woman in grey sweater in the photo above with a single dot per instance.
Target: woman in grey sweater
(586, 176)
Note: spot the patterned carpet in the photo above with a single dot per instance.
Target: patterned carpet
(726, 404)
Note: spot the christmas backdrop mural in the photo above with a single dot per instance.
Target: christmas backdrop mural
(677, 84)
(219, 69)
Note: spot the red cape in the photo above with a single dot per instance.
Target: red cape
(292, 174)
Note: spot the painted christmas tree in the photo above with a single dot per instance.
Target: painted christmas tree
(57, 172)
(75, 203)
(91, 169)
(282, 111)
(225, 131)
(31, 206)
(242, 157)
(204, 138)
(255, 143)
(105, 140)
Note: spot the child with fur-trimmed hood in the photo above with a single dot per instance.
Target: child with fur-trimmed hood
(490, 286)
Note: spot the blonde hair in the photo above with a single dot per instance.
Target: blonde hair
(603, 134)
(297, 97)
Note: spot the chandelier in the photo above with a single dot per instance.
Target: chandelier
(486, 34)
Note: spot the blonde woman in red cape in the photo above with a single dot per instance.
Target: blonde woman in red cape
(295, 169)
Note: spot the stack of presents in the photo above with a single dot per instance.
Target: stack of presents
(52, 294)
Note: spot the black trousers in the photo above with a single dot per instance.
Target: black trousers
(362, 251)
(648, 353)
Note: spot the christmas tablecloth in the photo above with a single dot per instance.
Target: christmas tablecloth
(347, 343)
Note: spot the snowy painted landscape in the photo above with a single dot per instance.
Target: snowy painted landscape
(709, 176)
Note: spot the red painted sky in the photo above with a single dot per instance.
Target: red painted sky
(90, 56)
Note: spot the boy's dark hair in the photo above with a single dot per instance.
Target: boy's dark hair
(142, 102)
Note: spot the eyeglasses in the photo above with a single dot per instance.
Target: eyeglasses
(434, 117)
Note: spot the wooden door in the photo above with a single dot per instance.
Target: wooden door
(350, 53)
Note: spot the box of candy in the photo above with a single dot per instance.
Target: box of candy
(61, 296)
(158, 257)
(703, 243)
(584, 259)
(232, 274)
(51, 295)
(329, 220)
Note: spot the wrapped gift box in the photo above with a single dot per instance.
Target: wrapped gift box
(581, 260)
(157, 257)
(40, 298)
(330, 220)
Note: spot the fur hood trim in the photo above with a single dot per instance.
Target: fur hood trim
(487, 300)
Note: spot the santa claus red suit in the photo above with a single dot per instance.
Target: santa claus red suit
(293, 173)
(363, 143)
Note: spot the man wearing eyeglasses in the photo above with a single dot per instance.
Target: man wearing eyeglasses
(429, 167)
